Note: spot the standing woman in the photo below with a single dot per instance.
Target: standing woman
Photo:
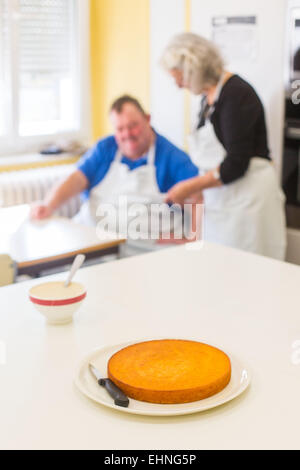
(244, 205)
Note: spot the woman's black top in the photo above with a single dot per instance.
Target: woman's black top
(239, 123)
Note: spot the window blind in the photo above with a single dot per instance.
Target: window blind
(40, 77)
(47, 42)
(46, 28)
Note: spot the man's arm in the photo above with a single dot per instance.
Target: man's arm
(73, 185)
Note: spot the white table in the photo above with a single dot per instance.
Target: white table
(50, 243)
(245, 304)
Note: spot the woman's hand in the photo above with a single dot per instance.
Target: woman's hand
(196, 198)
(179, 193)
(192, 188)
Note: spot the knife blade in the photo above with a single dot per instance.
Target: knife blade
(120, 399)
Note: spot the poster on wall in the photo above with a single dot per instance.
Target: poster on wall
(236, 37)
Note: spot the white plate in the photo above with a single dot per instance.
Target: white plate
(87, 384)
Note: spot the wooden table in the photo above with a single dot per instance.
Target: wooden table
(246, 304)
(39, 245)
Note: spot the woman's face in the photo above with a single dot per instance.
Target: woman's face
(178, 77)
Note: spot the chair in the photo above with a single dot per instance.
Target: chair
(7, 270)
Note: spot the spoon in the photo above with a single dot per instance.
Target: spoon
(75, 266)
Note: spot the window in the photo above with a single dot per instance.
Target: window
(43, 74)
(3, 67)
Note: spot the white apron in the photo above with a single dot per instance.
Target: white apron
(138, 185)
(247, 214)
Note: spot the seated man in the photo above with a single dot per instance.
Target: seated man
(136, 163)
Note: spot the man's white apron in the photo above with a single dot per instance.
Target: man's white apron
(138, 186)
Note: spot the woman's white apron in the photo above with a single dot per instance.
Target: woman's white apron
(247, 214)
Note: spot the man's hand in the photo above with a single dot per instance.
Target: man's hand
(40, 211)
(74, 184)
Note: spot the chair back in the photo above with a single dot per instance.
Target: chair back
(7, 270)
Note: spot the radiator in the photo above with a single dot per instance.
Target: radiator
(27, 186)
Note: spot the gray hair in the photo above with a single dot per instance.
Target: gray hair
(198, 59)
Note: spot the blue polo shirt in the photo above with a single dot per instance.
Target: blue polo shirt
(172, 164)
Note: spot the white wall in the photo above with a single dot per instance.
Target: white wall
(167, 102)
(266, 72)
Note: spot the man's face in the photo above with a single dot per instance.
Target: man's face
(133, 131)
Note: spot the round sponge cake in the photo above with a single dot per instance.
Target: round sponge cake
(170, 371)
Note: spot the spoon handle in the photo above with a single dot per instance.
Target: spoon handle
(78, 261)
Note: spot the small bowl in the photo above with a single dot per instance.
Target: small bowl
(57, 302)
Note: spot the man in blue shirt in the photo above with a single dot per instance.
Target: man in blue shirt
(136, 161)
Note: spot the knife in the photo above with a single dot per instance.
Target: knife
(119, 397)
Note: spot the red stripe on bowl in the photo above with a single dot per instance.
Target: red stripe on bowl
(55, 303)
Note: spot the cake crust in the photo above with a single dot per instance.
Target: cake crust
(170, 371)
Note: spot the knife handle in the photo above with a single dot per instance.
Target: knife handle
(119, 397)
